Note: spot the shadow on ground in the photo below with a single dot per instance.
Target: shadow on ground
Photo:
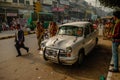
(95, 65)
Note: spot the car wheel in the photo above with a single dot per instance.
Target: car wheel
(59, 58)
(44, 55)
(81, 57)
(96, 41)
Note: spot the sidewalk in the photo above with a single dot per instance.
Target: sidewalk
(11, 34)
(7, 34)
(114, 76)
(111, 75)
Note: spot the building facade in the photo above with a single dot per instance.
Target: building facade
(63, 9)
(10, 9)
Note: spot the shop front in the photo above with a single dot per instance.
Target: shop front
(7, 14)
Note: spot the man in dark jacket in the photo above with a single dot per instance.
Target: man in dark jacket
(115, 41)
(19, 38)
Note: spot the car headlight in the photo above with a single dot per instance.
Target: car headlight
(43, 43)
(42, 46)
(69, 49)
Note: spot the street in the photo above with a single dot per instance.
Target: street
(31, 66)
(79, 25)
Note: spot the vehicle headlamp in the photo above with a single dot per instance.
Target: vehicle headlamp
(69, 49)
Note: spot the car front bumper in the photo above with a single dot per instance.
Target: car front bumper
(60, 59)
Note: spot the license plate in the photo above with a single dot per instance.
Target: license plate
(54, 54)
(51, 53)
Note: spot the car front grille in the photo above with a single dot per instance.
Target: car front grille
(55, 51)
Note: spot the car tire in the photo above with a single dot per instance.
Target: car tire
(80, 57)
(44, 55)
(96, 41)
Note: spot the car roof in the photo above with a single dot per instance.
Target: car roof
(76, 23)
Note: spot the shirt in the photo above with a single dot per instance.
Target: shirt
(116, 31)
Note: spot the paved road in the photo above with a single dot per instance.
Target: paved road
(8, 50)
(33, 67)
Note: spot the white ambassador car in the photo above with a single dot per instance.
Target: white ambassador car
(70, 45)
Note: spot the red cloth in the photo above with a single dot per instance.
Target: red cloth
(116, 34)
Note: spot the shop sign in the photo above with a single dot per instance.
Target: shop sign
(65, 2)
(49, 2)
(58, 9)
(46, 9)
(23, 11)
(73, 1)
(11, 14)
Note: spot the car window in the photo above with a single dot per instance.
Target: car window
(87, 30)
(91, 28)
(70, 30)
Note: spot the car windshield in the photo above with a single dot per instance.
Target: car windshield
(70, 30)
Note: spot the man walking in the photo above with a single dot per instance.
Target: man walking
(19, 38)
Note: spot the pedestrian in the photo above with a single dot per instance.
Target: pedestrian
(53, 29)
(115, 41)
(19, 39)
(39, 33)
(3, 26)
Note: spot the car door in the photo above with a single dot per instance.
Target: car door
(93, 36)
(88, 39)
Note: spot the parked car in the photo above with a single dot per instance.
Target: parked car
(71, 44)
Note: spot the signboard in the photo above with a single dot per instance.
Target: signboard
(65, 2)
(72, 1)
(11, 14)
(49, 2)
(94, 17)
(58, 9)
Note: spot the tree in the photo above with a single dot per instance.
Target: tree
(111, 3)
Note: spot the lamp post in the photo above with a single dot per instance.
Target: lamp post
(58, 9)
(96, 7)
(5, 15)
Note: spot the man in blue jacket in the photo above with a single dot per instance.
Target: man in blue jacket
(19, 38)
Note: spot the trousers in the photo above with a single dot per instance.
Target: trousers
(18, 46)
(115, 46)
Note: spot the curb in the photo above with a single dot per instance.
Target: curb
(11, 36)
(6, 37)
(109, 75)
